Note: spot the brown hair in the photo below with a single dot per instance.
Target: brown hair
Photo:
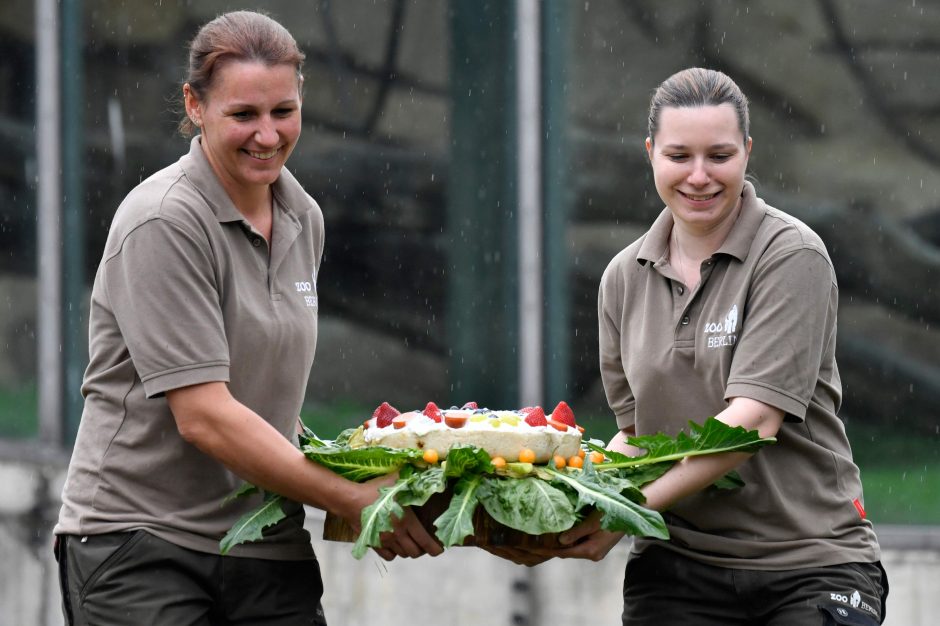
(695, 87)
(236, 36)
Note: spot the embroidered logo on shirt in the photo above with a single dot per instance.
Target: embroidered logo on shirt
(309, 289)
(722, 333)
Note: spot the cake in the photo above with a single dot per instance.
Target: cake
(501, 433)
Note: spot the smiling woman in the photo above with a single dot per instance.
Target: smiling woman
(199, 364)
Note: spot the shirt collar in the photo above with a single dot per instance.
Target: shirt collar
(737, 244)
(288, 193)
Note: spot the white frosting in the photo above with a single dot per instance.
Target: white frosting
(500, 433)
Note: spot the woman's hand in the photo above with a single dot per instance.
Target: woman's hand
(409, 538)
(586, 540)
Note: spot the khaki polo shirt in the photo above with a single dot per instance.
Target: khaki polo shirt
(188, 292)
(761, 324)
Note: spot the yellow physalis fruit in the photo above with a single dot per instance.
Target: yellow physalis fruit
(576, 461)
(498, 462)
(597, 457)
(560, 461)
(526, 456)
(430, 456)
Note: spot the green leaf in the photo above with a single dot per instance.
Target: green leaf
(361, 464)
(456, 523)
(422, 486)
(619, 513)
(713, 437)
(246, 489)
(531, 505)
(377, 517)
(307, 437)
(731, 480)
(462, 460)
(250, 526)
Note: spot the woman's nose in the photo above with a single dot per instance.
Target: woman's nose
(699, 174)
(266, 134)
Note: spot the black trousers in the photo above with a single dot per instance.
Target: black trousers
(137, 578)
(664, 588)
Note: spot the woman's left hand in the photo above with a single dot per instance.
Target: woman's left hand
(586, 540)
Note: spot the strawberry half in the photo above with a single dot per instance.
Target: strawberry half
(470, 405)
(564, 414)
(536, 417)
(384, 414)
(433, 412)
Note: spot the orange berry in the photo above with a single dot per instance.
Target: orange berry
(560, 461)
(430, 456)
(576, 461)
(597, 457)
(526, 456)
(498, 462)
(581, 452)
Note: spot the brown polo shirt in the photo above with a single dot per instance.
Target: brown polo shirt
(761, 324)
(188, 292)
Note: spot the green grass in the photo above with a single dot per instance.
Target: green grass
(18, 413)
(900, 474)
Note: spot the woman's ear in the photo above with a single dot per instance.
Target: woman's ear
(191, 103)
(649, 148)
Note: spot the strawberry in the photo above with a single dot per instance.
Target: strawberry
(433, 412)
(525, 410)
(564, 414)
(536, 417)
(470, 405)
(384, 414)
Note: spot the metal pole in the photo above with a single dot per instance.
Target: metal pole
(529, 189)
(49, 204)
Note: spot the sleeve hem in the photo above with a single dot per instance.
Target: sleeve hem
(786, 402)
(626, 417)
(158, 384)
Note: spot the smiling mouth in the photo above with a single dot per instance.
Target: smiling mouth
(700, 197)
(264, 156)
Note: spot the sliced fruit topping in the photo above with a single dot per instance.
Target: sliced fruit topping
(470, 405)
(563, 414)
(433, 412)
(455, 420)
(509, 419)
(384, 414)
(558, 425)
(399, 421)
(536, 417)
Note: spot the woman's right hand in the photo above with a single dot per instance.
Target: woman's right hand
(409, 538)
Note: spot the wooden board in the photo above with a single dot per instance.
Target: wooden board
(488, 532)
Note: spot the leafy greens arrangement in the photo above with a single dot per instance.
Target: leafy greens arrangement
(534, 499)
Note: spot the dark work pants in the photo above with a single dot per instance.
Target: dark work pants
(137, 578)
(664, 588)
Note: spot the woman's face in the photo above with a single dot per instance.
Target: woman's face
(699, 157)
(249, 120)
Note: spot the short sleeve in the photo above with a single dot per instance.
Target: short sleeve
(788, 336)
(609, 316)
(163, 289)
